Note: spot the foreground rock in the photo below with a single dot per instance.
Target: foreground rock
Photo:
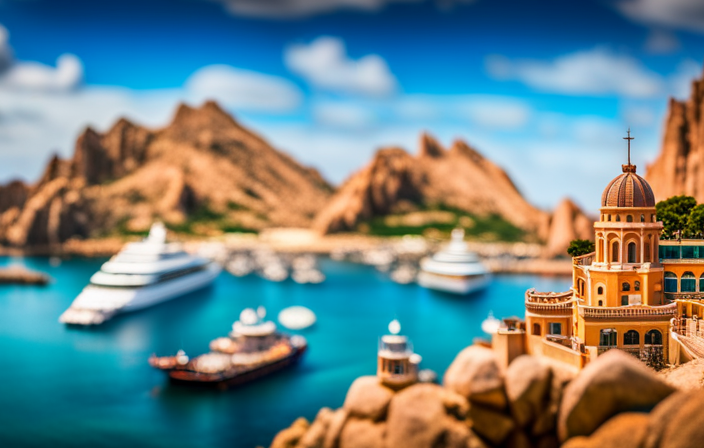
(616, 382)
(616, 402)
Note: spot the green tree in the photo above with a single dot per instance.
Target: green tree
(695, 222)
(674, 214)
(580, 247)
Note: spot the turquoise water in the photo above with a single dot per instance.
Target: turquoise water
(65, 387)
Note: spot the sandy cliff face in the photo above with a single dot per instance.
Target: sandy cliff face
(203, 166)
(679, 169)
(459, 178)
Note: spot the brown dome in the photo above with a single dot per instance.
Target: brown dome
(628, 190)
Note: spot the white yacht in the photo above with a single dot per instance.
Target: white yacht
(454, 269)
(143, 274)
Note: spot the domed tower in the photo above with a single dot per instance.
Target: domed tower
(397, 365)
(626, 245)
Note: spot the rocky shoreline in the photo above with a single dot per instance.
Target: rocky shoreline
(616, 401)
(22, 276)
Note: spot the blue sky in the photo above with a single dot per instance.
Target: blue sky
(545, 89)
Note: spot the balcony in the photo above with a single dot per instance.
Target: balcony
(584, 260)
(553, 303)
(633, 312)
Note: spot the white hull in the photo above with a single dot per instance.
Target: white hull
(454, 285)
(95, 304)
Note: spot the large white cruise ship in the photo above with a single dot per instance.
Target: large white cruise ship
(143, 274)
(454, 269)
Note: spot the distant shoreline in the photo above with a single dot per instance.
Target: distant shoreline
(501, 258)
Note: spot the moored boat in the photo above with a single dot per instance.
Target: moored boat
(252, 350)
(143, 274)
(455, 269)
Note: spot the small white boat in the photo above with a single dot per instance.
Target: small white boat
(455, 269)
(296, 317)
(143, 274)
(491, 324)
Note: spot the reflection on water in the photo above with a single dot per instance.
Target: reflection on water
(64, 386)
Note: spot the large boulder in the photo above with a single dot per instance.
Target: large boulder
(315, 436)
(561, 375)
(615, 382)
(289, 437)
(627, 430)
(475, 375)
(684, 428)
(362, 433)
(418, 418)
(337, 422)
(527, 387)
(368, 398)
(490, 424)
(661, 417)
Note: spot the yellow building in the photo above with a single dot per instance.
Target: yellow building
(618, 298)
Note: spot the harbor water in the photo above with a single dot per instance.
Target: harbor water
(73, 387)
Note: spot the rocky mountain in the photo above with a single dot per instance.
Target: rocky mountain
(202, 173)
(461, 179)
(679, 168)
(568, 222)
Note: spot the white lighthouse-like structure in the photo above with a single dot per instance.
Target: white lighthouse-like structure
(397, 365)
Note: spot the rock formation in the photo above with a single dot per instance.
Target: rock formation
(679, 169)
(568, 222)
(535, 402)
(458, 178)
(203, 168)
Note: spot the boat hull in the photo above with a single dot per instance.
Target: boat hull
(223, 381)
(453, 284)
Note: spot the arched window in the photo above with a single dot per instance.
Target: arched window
(670, 282)
(631, 337)
(632, 252)
(642, 218)
(607, 337)
(600, 289)
(701, 283)
(614, 252)
(536, 329)
(629, 218)
(688, 282)
(601, 303)
(618, 218)
(625, 286)
(648, 258)
(608, 217)
(653, 337)
(636, 286)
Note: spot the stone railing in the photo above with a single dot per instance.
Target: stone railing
(549, 302)
(684, 295)
(629, 312)
(584, 260)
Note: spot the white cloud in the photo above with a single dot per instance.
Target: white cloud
(684, 14)
(592, 72)
(242, 89)
(496, 112)
(33, 76)
(639, 116)
(324, 64)
(661, 42)
(293, 9)
(342, 115)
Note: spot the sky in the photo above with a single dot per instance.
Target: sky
(546, 89)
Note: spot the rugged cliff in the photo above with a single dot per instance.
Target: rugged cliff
(458, 179)
(203, 173)
(679, 169)
(568, 222)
